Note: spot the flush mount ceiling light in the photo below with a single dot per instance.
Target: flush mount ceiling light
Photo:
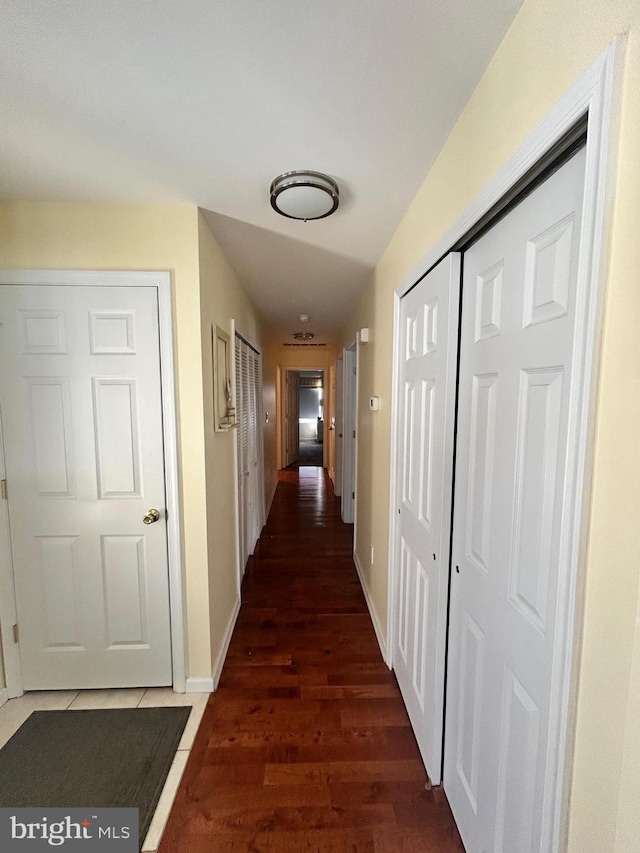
(303, 336)
(304, 195)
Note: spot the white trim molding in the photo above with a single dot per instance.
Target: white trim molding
(4, 696)
(593, 95)
(161, 280)
(8, 609)
(270, 500)
(375, 619)
(199, 685)
(224, 647)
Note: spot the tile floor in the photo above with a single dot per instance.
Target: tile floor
(14, 713)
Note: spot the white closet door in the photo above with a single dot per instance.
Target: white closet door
(251, 470)
(245, 431)
(250, 452)
(82, 419)
(428, 347)
(511, 509)
(241, 444)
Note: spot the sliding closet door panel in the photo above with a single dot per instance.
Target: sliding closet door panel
(516, 375)
(428, 344)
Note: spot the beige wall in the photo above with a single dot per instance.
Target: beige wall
(131, 237)
(549, 45)
(628, 828)
(222, 299)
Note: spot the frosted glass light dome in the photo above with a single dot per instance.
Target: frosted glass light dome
(304, 194)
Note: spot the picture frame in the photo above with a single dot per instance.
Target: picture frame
(224, 411)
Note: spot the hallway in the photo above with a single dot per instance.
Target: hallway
(306, 745)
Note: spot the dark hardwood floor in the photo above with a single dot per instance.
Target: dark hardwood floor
(306, 744)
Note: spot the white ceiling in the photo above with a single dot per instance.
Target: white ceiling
(205, 101)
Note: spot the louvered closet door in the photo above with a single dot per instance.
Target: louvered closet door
(512, 514)
(240, 405)
(253, 450)
(250, 453)
(246, 462)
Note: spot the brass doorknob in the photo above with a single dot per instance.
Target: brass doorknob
(151, 516)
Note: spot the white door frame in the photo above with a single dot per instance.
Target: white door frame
(281, 395)
(595, 95)
(8, 610)
(162, 282)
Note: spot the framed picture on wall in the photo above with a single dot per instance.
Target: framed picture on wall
(224, 412)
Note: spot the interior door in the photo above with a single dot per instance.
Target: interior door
(291, 415)
(255, 446)
(339, 431)
(349, 419)
(246, 452)
(516, 378)
(81, 403)
(428, 349)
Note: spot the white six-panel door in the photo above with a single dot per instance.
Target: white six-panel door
(511, 505)
(81, 409)
(428, 345)
(349, 419)
(339, 433)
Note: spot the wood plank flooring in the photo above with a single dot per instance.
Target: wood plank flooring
(306, 744)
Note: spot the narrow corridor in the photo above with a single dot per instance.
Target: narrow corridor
(306, 745)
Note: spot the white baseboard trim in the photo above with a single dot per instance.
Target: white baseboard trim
(372, 610)
(4, 696)
(199, 685)
(222, 654)
(270, 501)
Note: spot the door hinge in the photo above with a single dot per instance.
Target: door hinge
(354, 433)
(16, 634)
(353, 496)
(3, 489)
